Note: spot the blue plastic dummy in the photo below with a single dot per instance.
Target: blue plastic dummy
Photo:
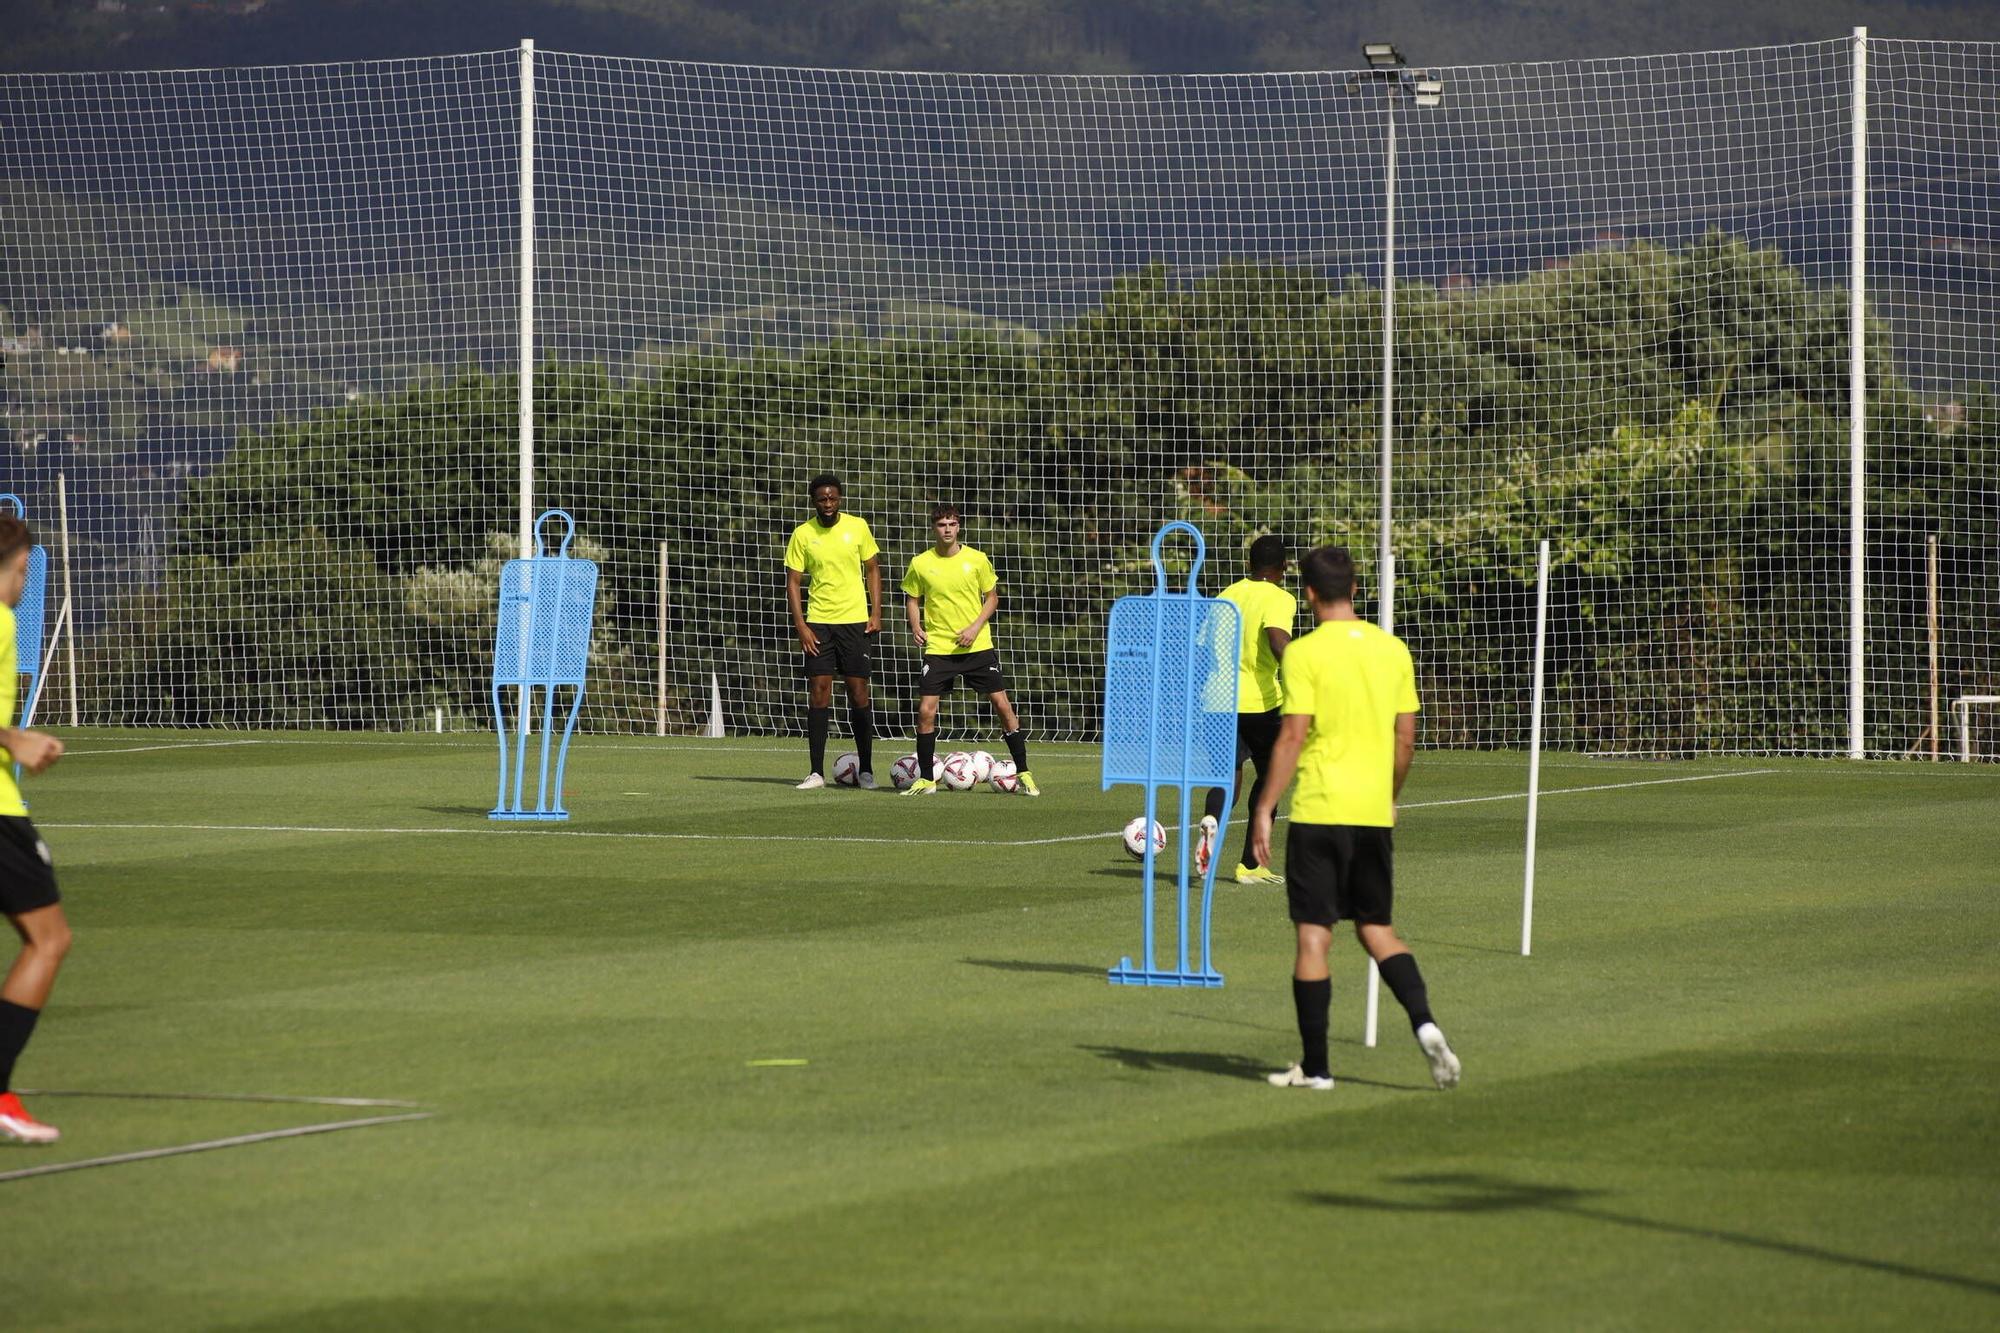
(1170, 674)
(29, 619)
(541, 643)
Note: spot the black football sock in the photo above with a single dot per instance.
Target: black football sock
(1211, 805)
(1407, 985)
(1017, 746)
(864, 736)
(1312, 999)
(926, 754)
(17, 1024)
(818, 722)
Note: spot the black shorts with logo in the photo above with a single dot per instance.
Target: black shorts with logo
(27, 873)
(979, 671)
(1339, 872)
(844, 650)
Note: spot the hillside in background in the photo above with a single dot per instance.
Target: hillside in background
(1052, 36)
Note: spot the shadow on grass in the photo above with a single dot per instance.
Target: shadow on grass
(1433, 942)
(1234, 1022)
(1471, 1192)
(1027, 965)
(481, 810)
(1223, 1064)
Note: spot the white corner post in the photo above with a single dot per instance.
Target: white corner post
(1857, 408)
(660, 698)
(527, 283)
(69, 644)
(1535, 748)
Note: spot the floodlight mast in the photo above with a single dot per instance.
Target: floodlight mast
(1425, 88)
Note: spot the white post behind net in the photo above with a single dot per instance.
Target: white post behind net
(1077, 306)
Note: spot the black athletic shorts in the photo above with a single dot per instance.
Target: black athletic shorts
(979, 671)
(1339, 872)
(844, 650)
(1256, 734)
(27, 874)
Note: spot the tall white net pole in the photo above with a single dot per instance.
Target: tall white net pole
(1535, 749)
(1385, 563)
(527, 401)
(526, 406)
(1386, 557)
(1857, 405)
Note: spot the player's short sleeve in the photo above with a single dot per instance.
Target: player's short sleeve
(795, 551)
(1281, 611)
(866, 546)
(1300, 682)
(988, 580)
(913, 578)
(1406, 680)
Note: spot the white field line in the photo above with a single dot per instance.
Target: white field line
(785, 837)
(176, 745)
(212, 1145)
(1603, 786)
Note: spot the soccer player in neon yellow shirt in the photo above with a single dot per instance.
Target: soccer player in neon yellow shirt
(837, 628)
(950, 593)
(1266, 612)
(1349, 734)
(28, 896)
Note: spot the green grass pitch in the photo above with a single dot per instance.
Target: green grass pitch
(1748, 1080)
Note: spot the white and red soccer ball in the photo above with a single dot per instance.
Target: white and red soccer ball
(957, 772)
(847, 770)
(1135, 838)
(1002, 777)
(904, 771)
(982, 766)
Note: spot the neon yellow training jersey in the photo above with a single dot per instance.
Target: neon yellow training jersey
(1264, 605)
(954, 590)
(10, 684)
(832, 558)
(1353, 678)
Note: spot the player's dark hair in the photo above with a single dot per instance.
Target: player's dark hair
(825, 479)
(947, 510)
(1268, 552)
(15, 535)
(1329, 572)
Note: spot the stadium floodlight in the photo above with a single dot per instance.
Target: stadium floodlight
(1382, 55)
(1427, 92)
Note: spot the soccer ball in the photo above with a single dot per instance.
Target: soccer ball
(1003, 777)
(1135, 838)
(955, 773)
(904, 771)
(847, 770)
(982, 765)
